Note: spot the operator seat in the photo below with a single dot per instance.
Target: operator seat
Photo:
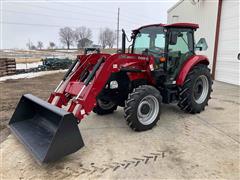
(179, 63)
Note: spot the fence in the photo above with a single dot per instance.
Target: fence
(7, 66)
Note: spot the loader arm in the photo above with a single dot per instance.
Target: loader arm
(59, 97)
(82, 94)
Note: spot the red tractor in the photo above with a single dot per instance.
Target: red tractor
(160, 67)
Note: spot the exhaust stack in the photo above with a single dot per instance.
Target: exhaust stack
(123, 41)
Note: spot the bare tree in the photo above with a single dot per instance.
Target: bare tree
(102, 38)
(111, 38)
(33, 47)
(107, 38)
(51, 45)
(85, 42)
(29, 45)
(82, 36)
(66, 36)
(40, 45)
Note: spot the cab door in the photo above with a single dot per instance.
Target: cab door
(180, 48)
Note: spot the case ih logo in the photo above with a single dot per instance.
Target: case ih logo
(142, 58)
(127, 57)
(134, 57)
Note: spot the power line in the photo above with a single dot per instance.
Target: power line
(48, 15)
(59, 17)
(76, 12)
(101, 10)
(46, 25)
(126, 19)
(36, 24)
(122, 16)
(62, 10)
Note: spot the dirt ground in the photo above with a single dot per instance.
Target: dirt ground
(12, 90)
(202, 146)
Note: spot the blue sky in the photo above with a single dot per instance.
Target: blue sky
(22, 21)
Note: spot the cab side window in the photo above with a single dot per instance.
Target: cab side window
(181, 47)
(142, 42)
(184, 43)
(160, 41)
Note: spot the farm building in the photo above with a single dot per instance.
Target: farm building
(219, 24)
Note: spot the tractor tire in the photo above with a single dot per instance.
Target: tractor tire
(142, 108)
(196, 90)
(104, 107)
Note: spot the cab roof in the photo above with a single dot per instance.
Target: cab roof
(177, 25)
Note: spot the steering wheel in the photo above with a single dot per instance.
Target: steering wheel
(157, 51)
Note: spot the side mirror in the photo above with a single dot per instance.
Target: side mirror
(173, 38)
(201, 45)
(123, 41)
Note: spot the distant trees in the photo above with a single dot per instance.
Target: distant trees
(66, 36)
(107, 37)
(102, 38)
(85, 42)
(111, 38)
(40, 45)
(83, 37)
(31, 46)
(52, 45)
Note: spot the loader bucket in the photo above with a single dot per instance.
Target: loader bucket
(47, 131)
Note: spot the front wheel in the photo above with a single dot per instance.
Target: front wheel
(104, 107)
(196, 91)
(142, 108)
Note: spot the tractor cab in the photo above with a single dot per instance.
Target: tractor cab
(171, 45)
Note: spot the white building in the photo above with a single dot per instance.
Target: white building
(219, 24)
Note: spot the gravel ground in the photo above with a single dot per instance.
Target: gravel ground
(202, 146)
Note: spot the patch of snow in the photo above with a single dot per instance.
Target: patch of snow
(28, 65)
(30, 75)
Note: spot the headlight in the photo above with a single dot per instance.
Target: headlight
(113, 84)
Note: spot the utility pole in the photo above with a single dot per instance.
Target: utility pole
(118, 27)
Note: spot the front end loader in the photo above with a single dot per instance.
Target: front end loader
(161, 67)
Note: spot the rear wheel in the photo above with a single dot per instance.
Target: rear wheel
(142, 108)
(104, 107)
(195, 92)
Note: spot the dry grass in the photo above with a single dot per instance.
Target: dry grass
(27, 60)
(38, 55)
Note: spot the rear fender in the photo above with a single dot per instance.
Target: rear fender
(187, 66)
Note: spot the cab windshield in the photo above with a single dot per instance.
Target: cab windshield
(151, 39)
